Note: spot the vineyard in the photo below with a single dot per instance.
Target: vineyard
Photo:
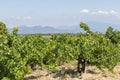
(19, 51)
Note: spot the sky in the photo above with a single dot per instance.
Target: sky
(58, 12)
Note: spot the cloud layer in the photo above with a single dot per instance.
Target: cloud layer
(20, 17)
(105, 16)
(111, 12)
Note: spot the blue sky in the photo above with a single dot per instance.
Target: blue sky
(58, 12)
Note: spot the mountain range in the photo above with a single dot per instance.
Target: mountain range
(47, 29)
(94, 26)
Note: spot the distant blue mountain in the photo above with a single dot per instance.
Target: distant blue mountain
(102, 27)
(95, 26)
(47, 29)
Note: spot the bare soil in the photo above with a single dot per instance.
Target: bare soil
(68, 72)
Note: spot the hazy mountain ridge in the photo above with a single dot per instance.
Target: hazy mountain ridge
(95, 26)
(102, 27)
(47, 29)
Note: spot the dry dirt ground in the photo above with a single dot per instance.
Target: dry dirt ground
(68, 72)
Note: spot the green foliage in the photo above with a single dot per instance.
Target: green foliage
(12, 66)
(3, 29)
(14, 32)
(18, 51)
(109, 32)
(85, 27)
(113, 35)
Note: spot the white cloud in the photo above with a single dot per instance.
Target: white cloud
(111, 12)
(27, 17)
(102, 12)
(19, 17)
(106, 16)
(84, 11)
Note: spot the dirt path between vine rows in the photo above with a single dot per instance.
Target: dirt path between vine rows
(68, 72)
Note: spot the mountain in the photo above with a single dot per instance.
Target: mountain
(94, 26)
(101, 26)
(36, 29)
(47, 29)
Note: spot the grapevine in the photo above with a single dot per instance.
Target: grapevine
(19, 51)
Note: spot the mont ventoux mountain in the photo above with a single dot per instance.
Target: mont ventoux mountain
(95, 26)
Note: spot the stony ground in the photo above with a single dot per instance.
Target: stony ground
(68, 72)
